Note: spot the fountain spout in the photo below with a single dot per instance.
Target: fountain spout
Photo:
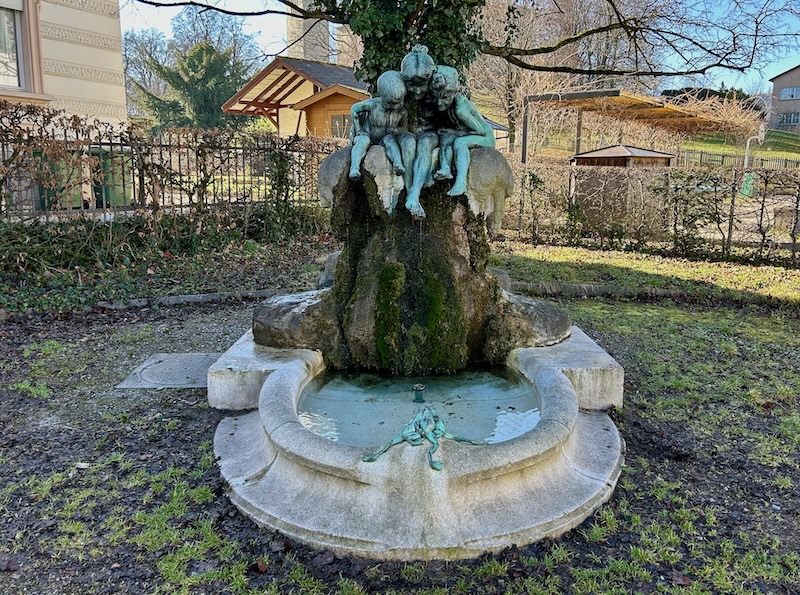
(418, 389)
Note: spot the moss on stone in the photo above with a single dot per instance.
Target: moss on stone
(391, 281)
(412, 297)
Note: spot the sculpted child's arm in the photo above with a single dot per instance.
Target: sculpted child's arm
(470, 117)
(355, 114)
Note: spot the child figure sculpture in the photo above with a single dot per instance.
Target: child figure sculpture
(465, 129)
(377, 121)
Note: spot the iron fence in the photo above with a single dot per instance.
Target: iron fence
(103, 172)
(54, 167)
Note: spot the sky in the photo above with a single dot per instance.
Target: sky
(270, 32)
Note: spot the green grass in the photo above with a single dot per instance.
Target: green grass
(699, 280)
(711, 421)
(777, 144)
(687, 371)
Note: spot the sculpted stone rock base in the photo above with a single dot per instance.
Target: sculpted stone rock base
(410, 296)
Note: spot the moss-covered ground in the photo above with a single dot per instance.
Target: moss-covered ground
(105, 490)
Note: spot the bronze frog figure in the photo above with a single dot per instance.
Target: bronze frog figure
(425, 425)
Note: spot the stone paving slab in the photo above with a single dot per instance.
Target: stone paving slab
(172, 370)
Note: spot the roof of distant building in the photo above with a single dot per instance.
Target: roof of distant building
(625, 105)
(784, 72)
(274, 87)
(325, 74)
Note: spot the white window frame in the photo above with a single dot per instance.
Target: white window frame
(344, 130)
(789, 93)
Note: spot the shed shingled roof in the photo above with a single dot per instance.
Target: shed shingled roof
(622, 151)
(326, 74)
(274, 87)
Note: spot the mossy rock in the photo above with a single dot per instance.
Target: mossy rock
(413, 296)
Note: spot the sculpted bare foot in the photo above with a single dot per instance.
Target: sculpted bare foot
(457, 190)
(354, 174)
(415, 209)
(443, 174)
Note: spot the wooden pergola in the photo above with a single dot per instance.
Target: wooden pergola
(622, 105)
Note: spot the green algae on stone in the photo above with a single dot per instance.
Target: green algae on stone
(391, 281)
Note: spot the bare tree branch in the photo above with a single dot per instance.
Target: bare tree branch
(298, 11)
(607, 37)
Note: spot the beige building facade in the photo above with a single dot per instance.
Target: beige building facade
(786, 101)
(320, 41)
(66, 54)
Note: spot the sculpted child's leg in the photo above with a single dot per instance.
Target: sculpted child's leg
(393, 154)
(445, 171)
(361, 144)
(426, 143)
(408, 150)
(461, 147)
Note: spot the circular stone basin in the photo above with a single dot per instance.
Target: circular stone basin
(538, 483)
(491, 405)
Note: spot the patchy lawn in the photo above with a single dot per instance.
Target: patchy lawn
(105, 490)
(698, 279)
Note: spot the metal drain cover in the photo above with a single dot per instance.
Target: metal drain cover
(172, 370)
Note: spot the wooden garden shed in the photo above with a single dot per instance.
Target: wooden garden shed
(623, 156)
(282, 90)
(328, 112)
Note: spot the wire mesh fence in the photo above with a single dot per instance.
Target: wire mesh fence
(688, 211)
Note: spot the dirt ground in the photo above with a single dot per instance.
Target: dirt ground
(102, 489)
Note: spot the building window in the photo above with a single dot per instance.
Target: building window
(20, 55)
(10, 64)
(789, 93)
(789, 119)
(340, 126)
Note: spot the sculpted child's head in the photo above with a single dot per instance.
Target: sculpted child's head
(445, 86)
(391, 89)
(417, 68)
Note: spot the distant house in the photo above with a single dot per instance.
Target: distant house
(66, 54)
(786, 100)
(623, 156)
(301, 97)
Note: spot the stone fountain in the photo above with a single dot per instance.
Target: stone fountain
(413, 302)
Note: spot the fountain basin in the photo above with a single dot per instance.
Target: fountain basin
(539, 484)
(492, 405)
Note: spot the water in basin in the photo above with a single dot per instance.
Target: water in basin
(367, 410)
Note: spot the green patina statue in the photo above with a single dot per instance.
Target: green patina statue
(417, 69)
(425, 425)
(465, 128)
(379, 120)
(435, 113)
